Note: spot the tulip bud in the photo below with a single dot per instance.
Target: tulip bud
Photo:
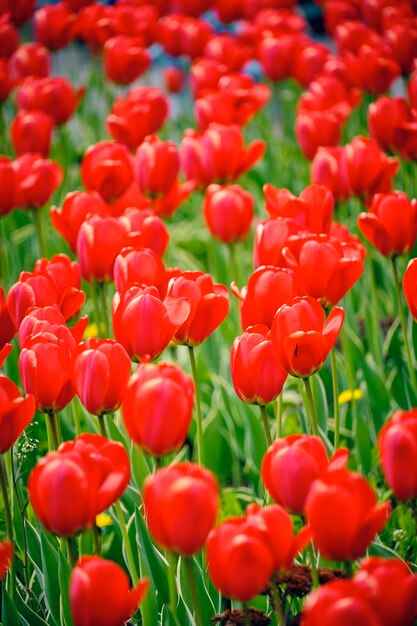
(16, 413)
(397, 444)
(228, 212)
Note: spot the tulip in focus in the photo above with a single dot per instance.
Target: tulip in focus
(70, 487)
(181, 505)
(157, 407)
(209, 305)
(16, 413)
(100, 373)
(100, 593)
(302, 338)
(139, 308)
(257, 375)
(292, 464)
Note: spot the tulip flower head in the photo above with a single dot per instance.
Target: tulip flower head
(397, 444)
(181, 504)
(302, 338)
(100, 593)
(70, 487)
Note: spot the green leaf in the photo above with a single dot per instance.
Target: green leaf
(153, 560)
(320, 402)
(378, 394)
(27, 615)
(9, 613)
(49, 560)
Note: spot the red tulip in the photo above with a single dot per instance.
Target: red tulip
(99, 241)
(37, 179)
(139, 308)
(372, 69)
(316, 129)
(70, 487)
(401, 40)
(329, 168)
(228, 212)
(31, 131)
(142, 112)
(100, 593)
(157, 166)
(227, 50)
(8, 185)
(48, 319)
(9, 37)
(267, 289)
(76, 208)
(138, 265)
(368, 169)
(271, 238)
(100, 373)
(209, 306)
(107, 168)
(277, 524)
(205, 75)
(390, 589)
(218, 154)
(410, 287)
(16, 413)
(230, 105)
(157, 407)
(385, 115)
(292, 464)
(325, 268)
(20, 11)
(6, 83)
(240, 559)
(55, 96)
(277, 54)
(45, 370)
(7, 327)
(30, 59)
(391, 223)
(66, 277)
(343, 514)
(125, 59)
(257, 375)
(331, 93)
(338, 603)
(181, 504)
(397, 444)
(6, 556)
(55, 27)
(312, 210)
(147, 230)
(174, 79)
(309, 61)
(32, 289)
(301, 337)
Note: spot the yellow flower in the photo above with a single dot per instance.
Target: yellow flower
(350, 394)
(91, 331)
(103, 519)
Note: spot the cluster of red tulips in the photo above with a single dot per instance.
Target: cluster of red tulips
(144, 490)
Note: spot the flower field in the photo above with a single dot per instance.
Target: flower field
(208, 313)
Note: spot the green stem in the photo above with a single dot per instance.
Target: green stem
(233, 263)
(279, 415)
(129, 554)
(53, 430)
(200, 442)
(23, 522)
(348, 567)
(265, 422)
(313, 566)
(172, 585)
(373, 317)
(189, 574)
(9, 524)
(37, 220)
(96, 539)
(311, 409)
(102, 425)
(96, 308)
(403, 320)
(279, 615)
(335, 383)
(104, 308)
(71, 551)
